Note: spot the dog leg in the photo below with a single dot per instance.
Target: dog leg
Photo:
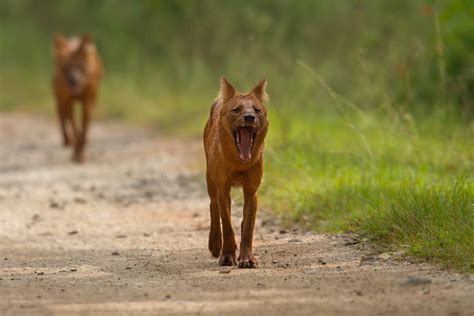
(61, 108)
(215, 233)
(246, 258)
(71, 123)
(82, 139)
(228, 250)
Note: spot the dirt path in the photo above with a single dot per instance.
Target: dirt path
(126, 234)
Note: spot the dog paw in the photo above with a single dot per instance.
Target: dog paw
(69, 141)
(227, 260)
(248, 263)
(215, 241)
(78, 157)
(215, 246)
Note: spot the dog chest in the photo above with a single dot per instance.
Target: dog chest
(238, 178)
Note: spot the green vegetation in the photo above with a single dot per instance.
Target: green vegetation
(403, 183)
(372, 101)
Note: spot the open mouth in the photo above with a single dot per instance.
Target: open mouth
(244, 138)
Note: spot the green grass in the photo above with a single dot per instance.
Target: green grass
(401, 181)
(432, 221)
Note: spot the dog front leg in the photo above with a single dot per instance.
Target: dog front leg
(246, 258)
(82, 139)
(69, 118)
(61, 105)
(229, 246)
(215, 233)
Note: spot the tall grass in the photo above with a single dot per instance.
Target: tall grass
(404, 180)
(413, 187)
(431, 221)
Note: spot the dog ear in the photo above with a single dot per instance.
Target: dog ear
(59, 41)
(227, 90)
(86, 38)
(87, 44)
(260, 91)
(59, 46)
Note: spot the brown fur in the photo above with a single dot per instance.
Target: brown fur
(226, 168)
(77, 74)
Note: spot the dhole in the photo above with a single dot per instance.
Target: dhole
(77, 75)
(233, 141)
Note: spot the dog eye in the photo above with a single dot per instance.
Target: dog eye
(257, 110)
(236, 110)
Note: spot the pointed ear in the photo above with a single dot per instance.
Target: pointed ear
(87, 44)
(260, 91)
(227, 90)
(86, 38)
(59, 41)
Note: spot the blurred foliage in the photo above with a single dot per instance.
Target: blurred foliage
(457, 17)
(374, 53)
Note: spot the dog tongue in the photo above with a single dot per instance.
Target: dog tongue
(245, 143)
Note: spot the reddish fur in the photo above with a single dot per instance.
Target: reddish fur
(79, 52)
(225, 169)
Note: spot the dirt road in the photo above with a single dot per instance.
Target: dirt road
(126, 233)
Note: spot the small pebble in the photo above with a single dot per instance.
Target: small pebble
(54, 204)
(384, 256)
(424, 291)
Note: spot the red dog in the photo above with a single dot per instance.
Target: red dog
(234, 141)
(77, 75)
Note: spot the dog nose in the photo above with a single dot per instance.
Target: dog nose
(249, 118)
(71, 79)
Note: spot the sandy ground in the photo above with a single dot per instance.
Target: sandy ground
(126, 233)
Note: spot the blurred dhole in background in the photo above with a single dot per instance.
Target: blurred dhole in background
(371, 101)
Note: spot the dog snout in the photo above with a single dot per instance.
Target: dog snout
(71, 79)
(249, 118)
